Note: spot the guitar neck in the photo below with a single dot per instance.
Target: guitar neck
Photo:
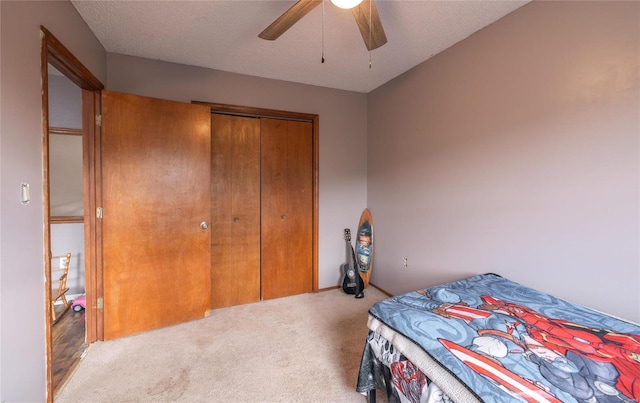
(347, 241)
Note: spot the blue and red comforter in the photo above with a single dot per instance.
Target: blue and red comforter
(505, 341)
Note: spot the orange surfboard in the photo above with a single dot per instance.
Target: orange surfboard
(364, 246)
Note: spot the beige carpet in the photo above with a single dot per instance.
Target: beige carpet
(304, 348)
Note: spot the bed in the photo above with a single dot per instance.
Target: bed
(488, 339)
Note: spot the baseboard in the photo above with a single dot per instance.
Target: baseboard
(388, 294)
(329, 288)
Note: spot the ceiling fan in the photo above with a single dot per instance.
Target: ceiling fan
(364, 11)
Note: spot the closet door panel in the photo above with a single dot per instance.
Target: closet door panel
(286, 207)
(235, 210)
(275, 233)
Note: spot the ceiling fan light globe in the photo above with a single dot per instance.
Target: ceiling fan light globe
(346, 4)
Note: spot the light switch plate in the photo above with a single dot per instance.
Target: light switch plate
(25, 196)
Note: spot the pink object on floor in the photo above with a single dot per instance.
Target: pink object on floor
(79, 303)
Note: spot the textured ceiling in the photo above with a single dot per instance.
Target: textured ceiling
(223, 35)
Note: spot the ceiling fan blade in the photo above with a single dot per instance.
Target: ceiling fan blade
(290, 17)
(366, 15)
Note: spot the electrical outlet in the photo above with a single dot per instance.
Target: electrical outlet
(404, 262)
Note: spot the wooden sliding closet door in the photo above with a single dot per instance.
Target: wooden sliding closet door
(286, 207)
(235, 210)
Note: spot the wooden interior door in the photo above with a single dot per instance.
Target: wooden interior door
(286, 207)
(155, 194)
(235, 210)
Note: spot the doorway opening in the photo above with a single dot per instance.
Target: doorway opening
(82, 138)
(66, 225)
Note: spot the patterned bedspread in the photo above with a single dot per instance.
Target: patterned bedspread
(384, 367)
(506, 342)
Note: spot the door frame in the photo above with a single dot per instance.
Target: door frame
(55, 53)
(314, 119)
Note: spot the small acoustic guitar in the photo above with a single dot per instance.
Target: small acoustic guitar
(352, 283)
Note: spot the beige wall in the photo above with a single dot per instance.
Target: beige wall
(22, 305)
(342, 132)
(516, 152)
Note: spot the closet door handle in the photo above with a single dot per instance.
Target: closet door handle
(284, 217)
(204, 225)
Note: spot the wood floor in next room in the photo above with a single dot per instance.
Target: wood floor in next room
(68, 345)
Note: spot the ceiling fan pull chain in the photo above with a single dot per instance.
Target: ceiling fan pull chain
(370, 33)
(322, 31)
